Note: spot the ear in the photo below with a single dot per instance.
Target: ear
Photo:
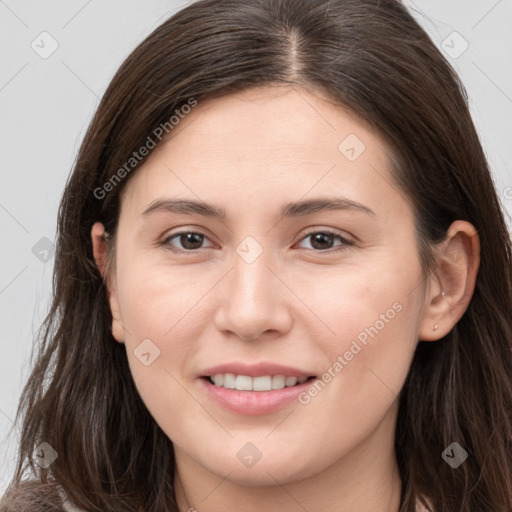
(458, 259)
(99, 249)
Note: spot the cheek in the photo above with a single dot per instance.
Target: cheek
(156, 305)
(372, 318)
(164, 306)
(155, 300)
(367, 359)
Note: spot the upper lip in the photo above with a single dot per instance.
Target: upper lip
(256, 370)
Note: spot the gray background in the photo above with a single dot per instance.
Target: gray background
(47, 101)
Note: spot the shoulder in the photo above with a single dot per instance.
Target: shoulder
(32, 496)
(67, 506)
(421, 508)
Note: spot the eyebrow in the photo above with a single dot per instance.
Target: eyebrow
(288, 210)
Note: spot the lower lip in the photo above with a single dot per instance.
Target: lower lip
(253, 403)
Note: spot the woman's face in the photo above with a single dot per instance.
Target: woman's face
(269, 290)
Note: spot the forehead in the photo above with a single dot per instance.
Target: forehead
(290, 119)
(264, 140)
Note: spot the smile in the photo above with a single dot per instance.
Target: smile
(262, 383)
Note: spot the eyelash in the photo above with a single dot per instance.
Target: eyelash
(345, 242)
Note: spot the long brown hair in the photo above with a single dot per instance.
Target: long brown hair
(373, 58)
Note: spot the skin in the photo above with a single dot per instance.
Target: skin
(250, 153)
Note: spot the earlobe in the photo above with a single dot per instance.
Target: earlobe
(453, 281)
(99, 248)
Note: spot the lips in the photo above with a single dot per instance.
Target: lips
(234, 394)
(260, 369)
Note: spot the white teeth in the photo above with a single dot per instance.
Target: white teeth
(264, 383)
(243, 383)
(290, 381)
(218, 379)
(261, 383)
(278, 382)
(229, 381)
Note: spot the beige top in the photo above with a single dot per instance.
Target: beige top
(421, 508)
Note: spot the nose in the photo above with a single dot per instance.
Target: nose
(253, 301)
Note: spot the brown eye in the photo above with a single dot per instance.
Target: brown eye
(323, 240)
(189, 240)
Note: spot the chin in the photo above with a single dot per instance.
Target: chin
(269, 470)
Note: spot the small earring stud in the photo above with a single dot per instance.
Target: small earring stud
(442, 293)
(435, 327)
